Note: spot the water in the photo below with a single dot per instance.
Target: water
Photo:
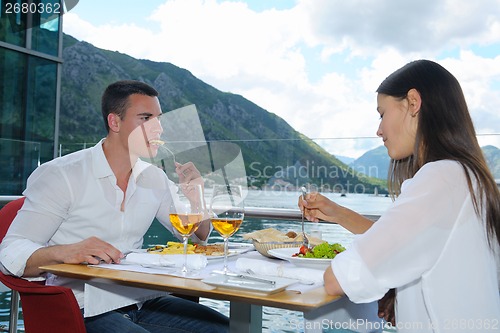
(361, 203)
(274, 320)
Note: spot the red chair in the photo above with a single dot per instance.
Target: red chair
(45, 308)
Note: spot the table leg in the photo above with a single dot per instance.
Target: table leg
(313, 320)
(344, 315)
(245, 318)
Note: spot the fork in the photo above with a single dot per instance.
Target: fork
(305, 240)
(184, 172)
(170, 152)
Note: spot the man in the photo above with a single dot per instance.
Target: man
(92, 205)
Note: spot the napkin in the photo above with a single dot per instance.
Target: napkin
(282, 269)
(194, 261)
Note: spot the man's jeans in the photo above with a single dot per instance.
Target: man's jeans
(165, 314)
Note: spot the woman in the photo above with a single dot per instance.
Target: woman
(436, 244)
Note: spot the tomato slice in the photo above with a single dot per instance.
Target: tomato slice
(303, 249)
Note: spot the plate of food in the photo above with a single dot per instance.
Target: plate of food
(216, 251)
(319, 257)
(211, 251)
(268, 239)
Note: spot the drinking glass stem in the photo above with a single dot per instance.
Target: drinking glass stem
(184, 265)
(226, 245)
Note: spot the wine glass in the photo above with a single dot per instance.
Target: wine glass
(227, 211)
(186, 214)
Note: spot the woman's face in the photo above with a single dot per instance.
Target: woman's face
(398, 125)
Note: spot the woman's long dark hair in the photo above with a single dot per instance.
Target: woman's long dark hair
(445, 131)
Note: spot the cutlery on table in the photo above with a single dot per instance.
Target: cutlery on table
(301, 281)
(246, 277)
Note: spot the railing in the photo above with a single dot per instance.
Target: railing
(5, 199)
(254, 212)
(284, 214)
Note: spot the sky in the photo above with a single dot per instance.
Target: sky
(314, 63)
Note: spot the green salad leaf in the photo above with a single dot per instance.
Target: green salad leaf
(325, 251)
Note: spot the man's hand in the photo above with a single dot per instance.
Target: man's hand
(189, 176)
(90, 251)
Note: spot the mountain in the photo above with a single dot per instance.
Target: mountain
(375, 162)
(492, 155)
(345, 159)
(268, 143)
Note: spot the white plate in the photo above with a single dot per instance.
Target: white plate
(235, 245)
(230, 282)
(232, 252)
(234, 249)
(286, 254)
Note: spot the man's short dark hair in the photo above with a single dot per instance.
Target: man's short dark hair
(115, 98)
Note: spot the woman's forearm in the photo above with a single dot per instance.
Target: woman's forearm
(352, 221)
(317, 208)
(332, 286)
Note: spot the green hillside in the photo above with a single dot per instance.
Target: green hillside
(267, 142)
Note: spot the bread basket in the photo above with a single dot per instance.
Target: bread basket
(264, 247)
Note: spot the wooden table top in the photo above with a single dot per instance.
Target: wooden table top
(291, 300)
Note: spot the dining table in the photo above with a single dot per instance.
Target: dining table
(245, 306)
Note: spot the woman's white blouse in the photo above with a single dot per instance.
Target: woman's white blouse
(433, 248)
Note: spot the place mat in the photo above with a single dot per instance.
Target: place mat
(217, 265)
(194, 261)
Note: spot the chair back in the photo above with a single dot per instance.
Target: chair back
(45, 308)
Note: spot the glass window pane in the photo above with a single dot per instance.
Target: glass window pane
(18, 159)
(27, 120)
(45, 32)
(12, 93)
(12, 97)
(41, 105)
(12, 24)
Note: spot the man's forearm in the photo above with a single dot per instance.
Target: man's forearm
(43, 256)
(204, 230)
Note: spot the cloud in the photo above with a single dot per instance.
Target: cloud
(426, 26)
(317, 65)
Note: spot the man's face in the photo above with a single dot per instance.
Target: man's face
(140, 128)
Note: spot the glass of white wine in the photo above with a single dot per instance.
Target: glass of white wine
(227, 211)
(186, 215)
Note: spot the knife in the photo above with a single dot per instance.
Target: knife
(246, 277)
